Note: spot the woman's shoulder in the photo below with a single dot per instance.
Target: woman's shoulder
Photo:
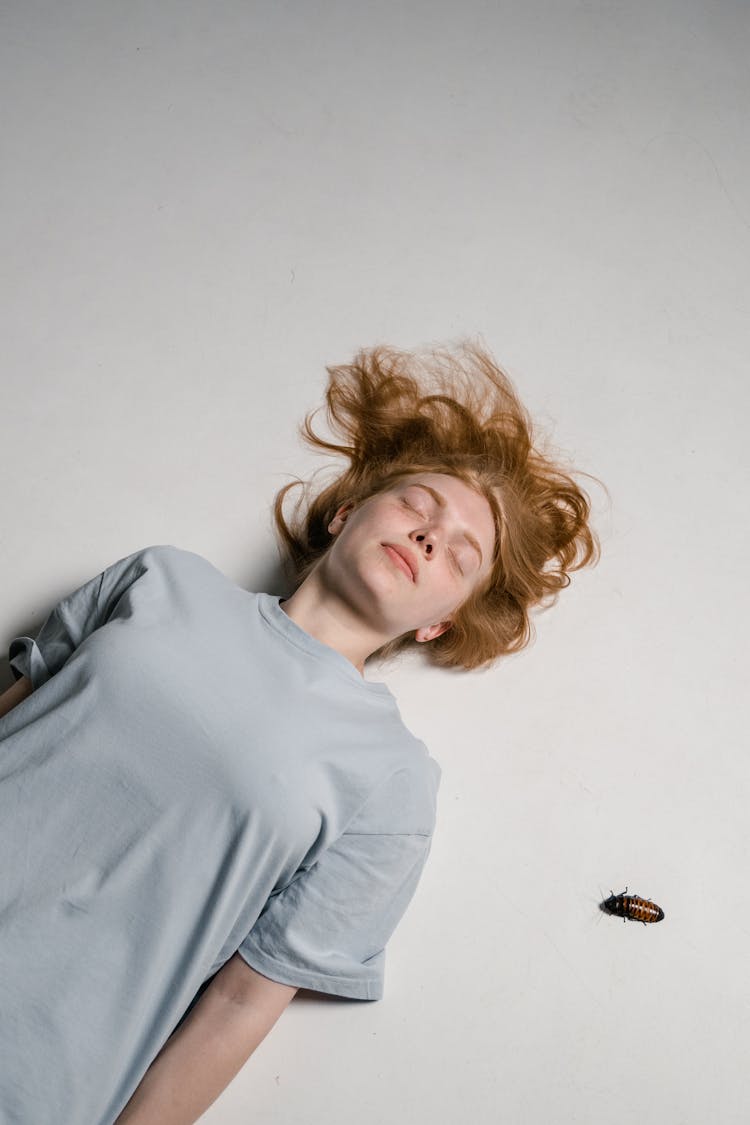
(171, 556)
(405, 799)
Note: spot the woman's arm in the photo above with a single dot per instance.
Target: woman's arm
(200, 1059)
(15, 693)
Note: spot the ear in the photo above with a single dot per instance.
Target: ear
(432, 631)
(339, 519)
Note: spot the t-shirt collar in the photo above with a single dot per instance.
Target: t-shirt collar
(276, 617)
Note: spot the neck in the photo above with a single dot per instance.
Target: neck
(329, 621)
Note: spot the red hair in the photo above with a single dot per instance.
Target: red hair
(449, 411)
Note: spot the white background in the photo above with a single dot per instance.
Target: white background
(205, 203)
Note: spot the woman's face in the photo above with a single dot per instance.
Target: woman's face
(437, 521)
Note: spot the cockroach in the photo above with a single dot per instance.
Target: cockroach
(631, 907)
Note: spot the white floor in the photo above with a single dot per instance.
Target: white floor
(205, 203)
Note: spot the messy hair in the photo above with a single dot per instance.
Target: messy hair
(455, 411)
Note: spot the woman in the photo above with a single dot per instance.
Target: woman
(204, 803)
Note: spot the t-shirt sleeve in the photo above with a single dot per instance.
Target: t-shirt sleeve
(72, 620)
(327, 929)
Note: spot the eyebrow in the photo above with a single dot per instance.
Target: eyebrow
(442, 502)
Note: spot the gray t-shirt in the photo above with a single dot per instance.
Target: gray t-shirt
(194, 774)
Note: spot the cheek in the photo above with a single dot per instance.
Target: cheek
(358, 534)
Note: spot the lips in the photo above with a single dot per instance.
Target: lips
(405, 556)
